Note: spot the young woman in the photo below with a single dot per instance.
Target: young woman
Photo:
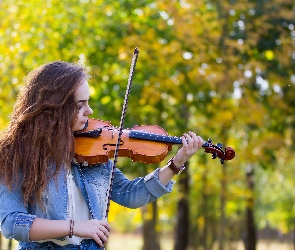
(47, 199)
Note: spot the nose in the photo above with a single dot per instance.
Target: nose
(88, 111)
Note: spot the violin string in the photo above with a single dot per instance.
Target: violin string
(131, 73)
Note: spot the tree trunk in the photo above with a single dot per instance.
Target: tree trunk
(294, 239)
(250, 241)
(205, 210)
(182, 220)
(222, 208)
(10, 245)
(150, 236)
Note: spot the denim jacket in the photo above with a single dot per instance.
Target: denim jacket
(93, 181)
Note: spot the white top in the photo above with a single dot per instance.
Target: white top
(77, 211)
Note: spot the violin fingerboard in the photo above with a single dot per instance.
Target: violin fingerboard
(137, 134)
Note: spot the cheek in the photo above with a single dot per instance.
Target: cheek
(77, 119)
(79, 116)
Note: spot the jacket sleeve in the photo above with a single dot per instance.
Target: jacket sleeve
(15, 222)
(140, 191)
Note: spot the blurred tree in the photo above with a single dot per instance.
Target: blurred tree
(222, 69)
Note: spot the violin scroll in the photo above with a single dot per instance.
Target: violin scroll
(217, 152)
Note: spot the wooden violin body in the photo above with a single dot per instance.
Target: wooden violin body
(101, 148)
(148, 144)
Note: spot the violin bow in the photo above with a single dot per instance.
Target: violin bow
(130, 78)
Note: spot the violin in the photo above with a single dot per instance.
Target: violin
(146, 143)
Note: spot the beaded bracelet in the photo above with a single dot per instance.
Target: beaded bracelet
(72, 222)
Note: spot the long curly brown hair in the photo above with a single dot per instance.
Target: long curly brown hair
(39, 141)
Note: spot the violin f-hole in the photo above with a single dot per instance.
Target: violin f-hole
(104, 146)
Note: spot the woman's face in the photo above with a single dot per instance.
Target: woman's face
(82, 97)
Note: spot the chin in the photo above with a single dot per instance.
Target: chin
(78, 128)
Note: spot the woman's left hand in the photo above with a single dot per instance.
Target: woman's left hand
(190, 144)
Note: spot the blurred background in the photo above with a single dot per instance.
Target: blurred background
(223, 69)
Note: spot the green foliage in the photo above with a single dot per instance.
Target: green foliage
(222, 69)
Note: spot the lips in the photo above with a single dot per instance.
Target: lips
(85, 124)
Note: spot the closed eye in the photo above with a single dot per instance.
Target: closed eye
(81, 103)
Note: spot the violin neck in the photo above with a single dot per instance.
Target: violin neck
(137, 134)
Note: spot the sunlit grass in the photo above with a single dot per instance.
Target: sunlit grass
(134, 242)
(124, 241)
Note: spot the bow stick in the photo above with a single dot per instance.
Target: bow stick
(131, 73)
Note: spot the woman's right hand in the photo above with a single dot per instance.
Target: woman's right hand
(98, 230)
